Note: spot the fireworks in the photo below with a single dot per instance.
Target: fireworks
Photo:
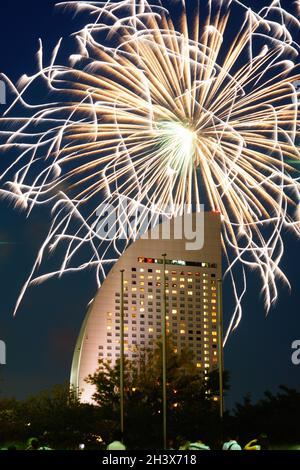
(164, 108)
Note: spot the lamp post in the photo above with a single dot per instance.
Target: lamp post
(122, 353)
(220, 343)
(164, 355)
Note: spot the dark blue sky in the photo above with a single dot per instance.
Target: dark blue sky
(41, 338)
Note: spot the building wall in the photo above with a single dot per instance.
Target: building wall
(191, 303)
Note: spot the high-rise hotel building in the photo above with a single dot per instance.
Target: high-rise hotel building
(191, 299)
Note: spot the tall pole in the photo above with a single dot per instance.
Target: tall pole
(122, 354)
(164, 354)
(220, 343)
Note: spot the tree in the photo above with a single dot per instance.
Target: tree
(191, 411)
(276, 415)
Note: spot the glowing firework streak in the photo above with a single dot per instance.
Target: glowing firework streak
(164, 112)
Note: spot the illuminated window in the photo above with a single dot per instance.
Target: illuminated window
(174, 310)
(108, 327)
(174, 291)
(142, 309)
(190, 279)
(214, 340)
(215, 353)
(214, 333)
(174, 278)
(167, 272)
(133, 289)
(190, 292)
(214, 320)
(150, 330)
(142, 270)
(150, 277)
(157, 270)
(182, 332)
(150, 296)
(142, 283)
(213, 301)
(198, 364)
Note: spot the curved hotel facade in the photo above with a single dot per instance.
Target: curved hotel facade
(191, 299)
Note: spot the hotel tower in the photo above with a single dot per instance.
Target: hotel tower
(191, 301)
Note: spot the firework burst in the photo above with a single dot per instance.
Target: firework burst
(164, 108)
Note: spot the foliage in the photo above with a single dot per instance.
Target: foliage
(276, 415)
(191, 409)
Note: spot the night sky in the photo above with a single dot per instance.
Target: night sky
(41, 338)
